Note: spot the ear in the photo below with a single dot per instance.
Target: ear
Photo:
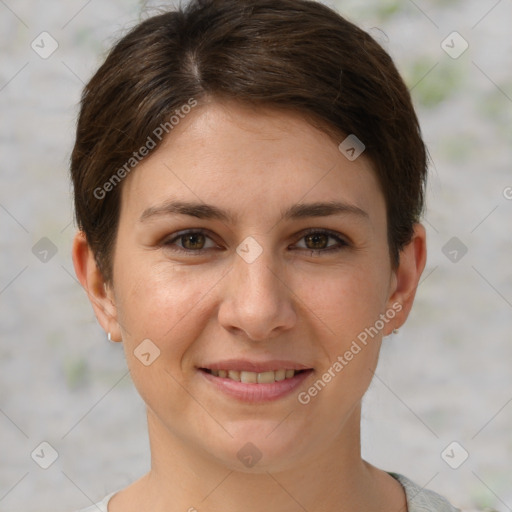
(405, 282)
(91, 279)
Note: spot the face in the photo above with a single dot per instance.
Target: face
(250, 282)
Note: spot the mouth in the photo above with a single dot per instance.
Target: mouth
(249, 377)
(253, 382)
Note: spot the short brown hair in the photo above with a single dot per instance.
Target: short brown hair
(292, 54)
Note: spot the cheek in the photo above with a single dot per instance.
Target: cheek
(164, 303)
(347, 310)
(346, 300)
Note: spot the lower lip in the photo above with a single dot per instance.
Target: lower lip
(257, 392)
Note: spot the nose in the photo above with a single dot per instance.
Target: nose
(257, 301)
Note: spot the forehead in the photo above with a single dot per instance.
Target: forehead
(249, 161)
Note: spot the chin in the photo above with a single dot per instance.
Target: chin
(260, 446)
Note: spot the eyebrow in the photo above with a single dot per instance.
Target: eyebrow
(208, 211)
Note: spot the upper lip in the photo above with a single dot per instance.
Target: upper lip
(255, 366)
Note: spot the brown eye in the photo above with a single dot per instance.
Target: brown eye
(193, 241)
(317, 241)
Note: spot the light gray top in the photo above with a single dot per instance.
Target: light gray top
(418, 499)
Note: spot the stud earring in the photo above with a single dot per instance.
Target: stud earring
(109, 336)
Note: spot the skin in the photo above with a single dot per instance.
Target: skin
(289, 303)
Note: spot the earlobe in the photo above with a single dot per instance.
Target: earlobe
(413, 258)
(91, 279)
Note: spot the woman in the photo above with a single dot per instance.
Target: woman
(249, 180)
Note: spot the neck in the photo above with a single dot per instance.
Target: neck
(332, 478)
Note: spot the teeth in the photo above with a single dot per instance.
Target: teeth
(234, 375)
(254, 377)
(280, 375)
(266, 377)
(249, 377)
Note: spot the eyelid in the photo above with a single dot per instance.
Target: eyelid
(334, 234)
(168, 240)
(342, 240)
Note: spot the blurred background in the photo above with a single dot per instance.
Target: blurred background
(440, 407)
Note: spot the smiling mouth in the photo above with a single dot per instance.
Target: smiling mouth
(247, 377)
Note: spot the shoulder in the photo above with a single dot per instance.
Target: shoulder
(101, 506)
(423, 500)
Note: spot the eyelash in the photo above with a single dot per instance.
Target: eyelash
(341, 242)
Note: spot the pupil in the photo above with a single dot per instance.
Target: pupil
(318, 240)
(191, 238)
(315, 238)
